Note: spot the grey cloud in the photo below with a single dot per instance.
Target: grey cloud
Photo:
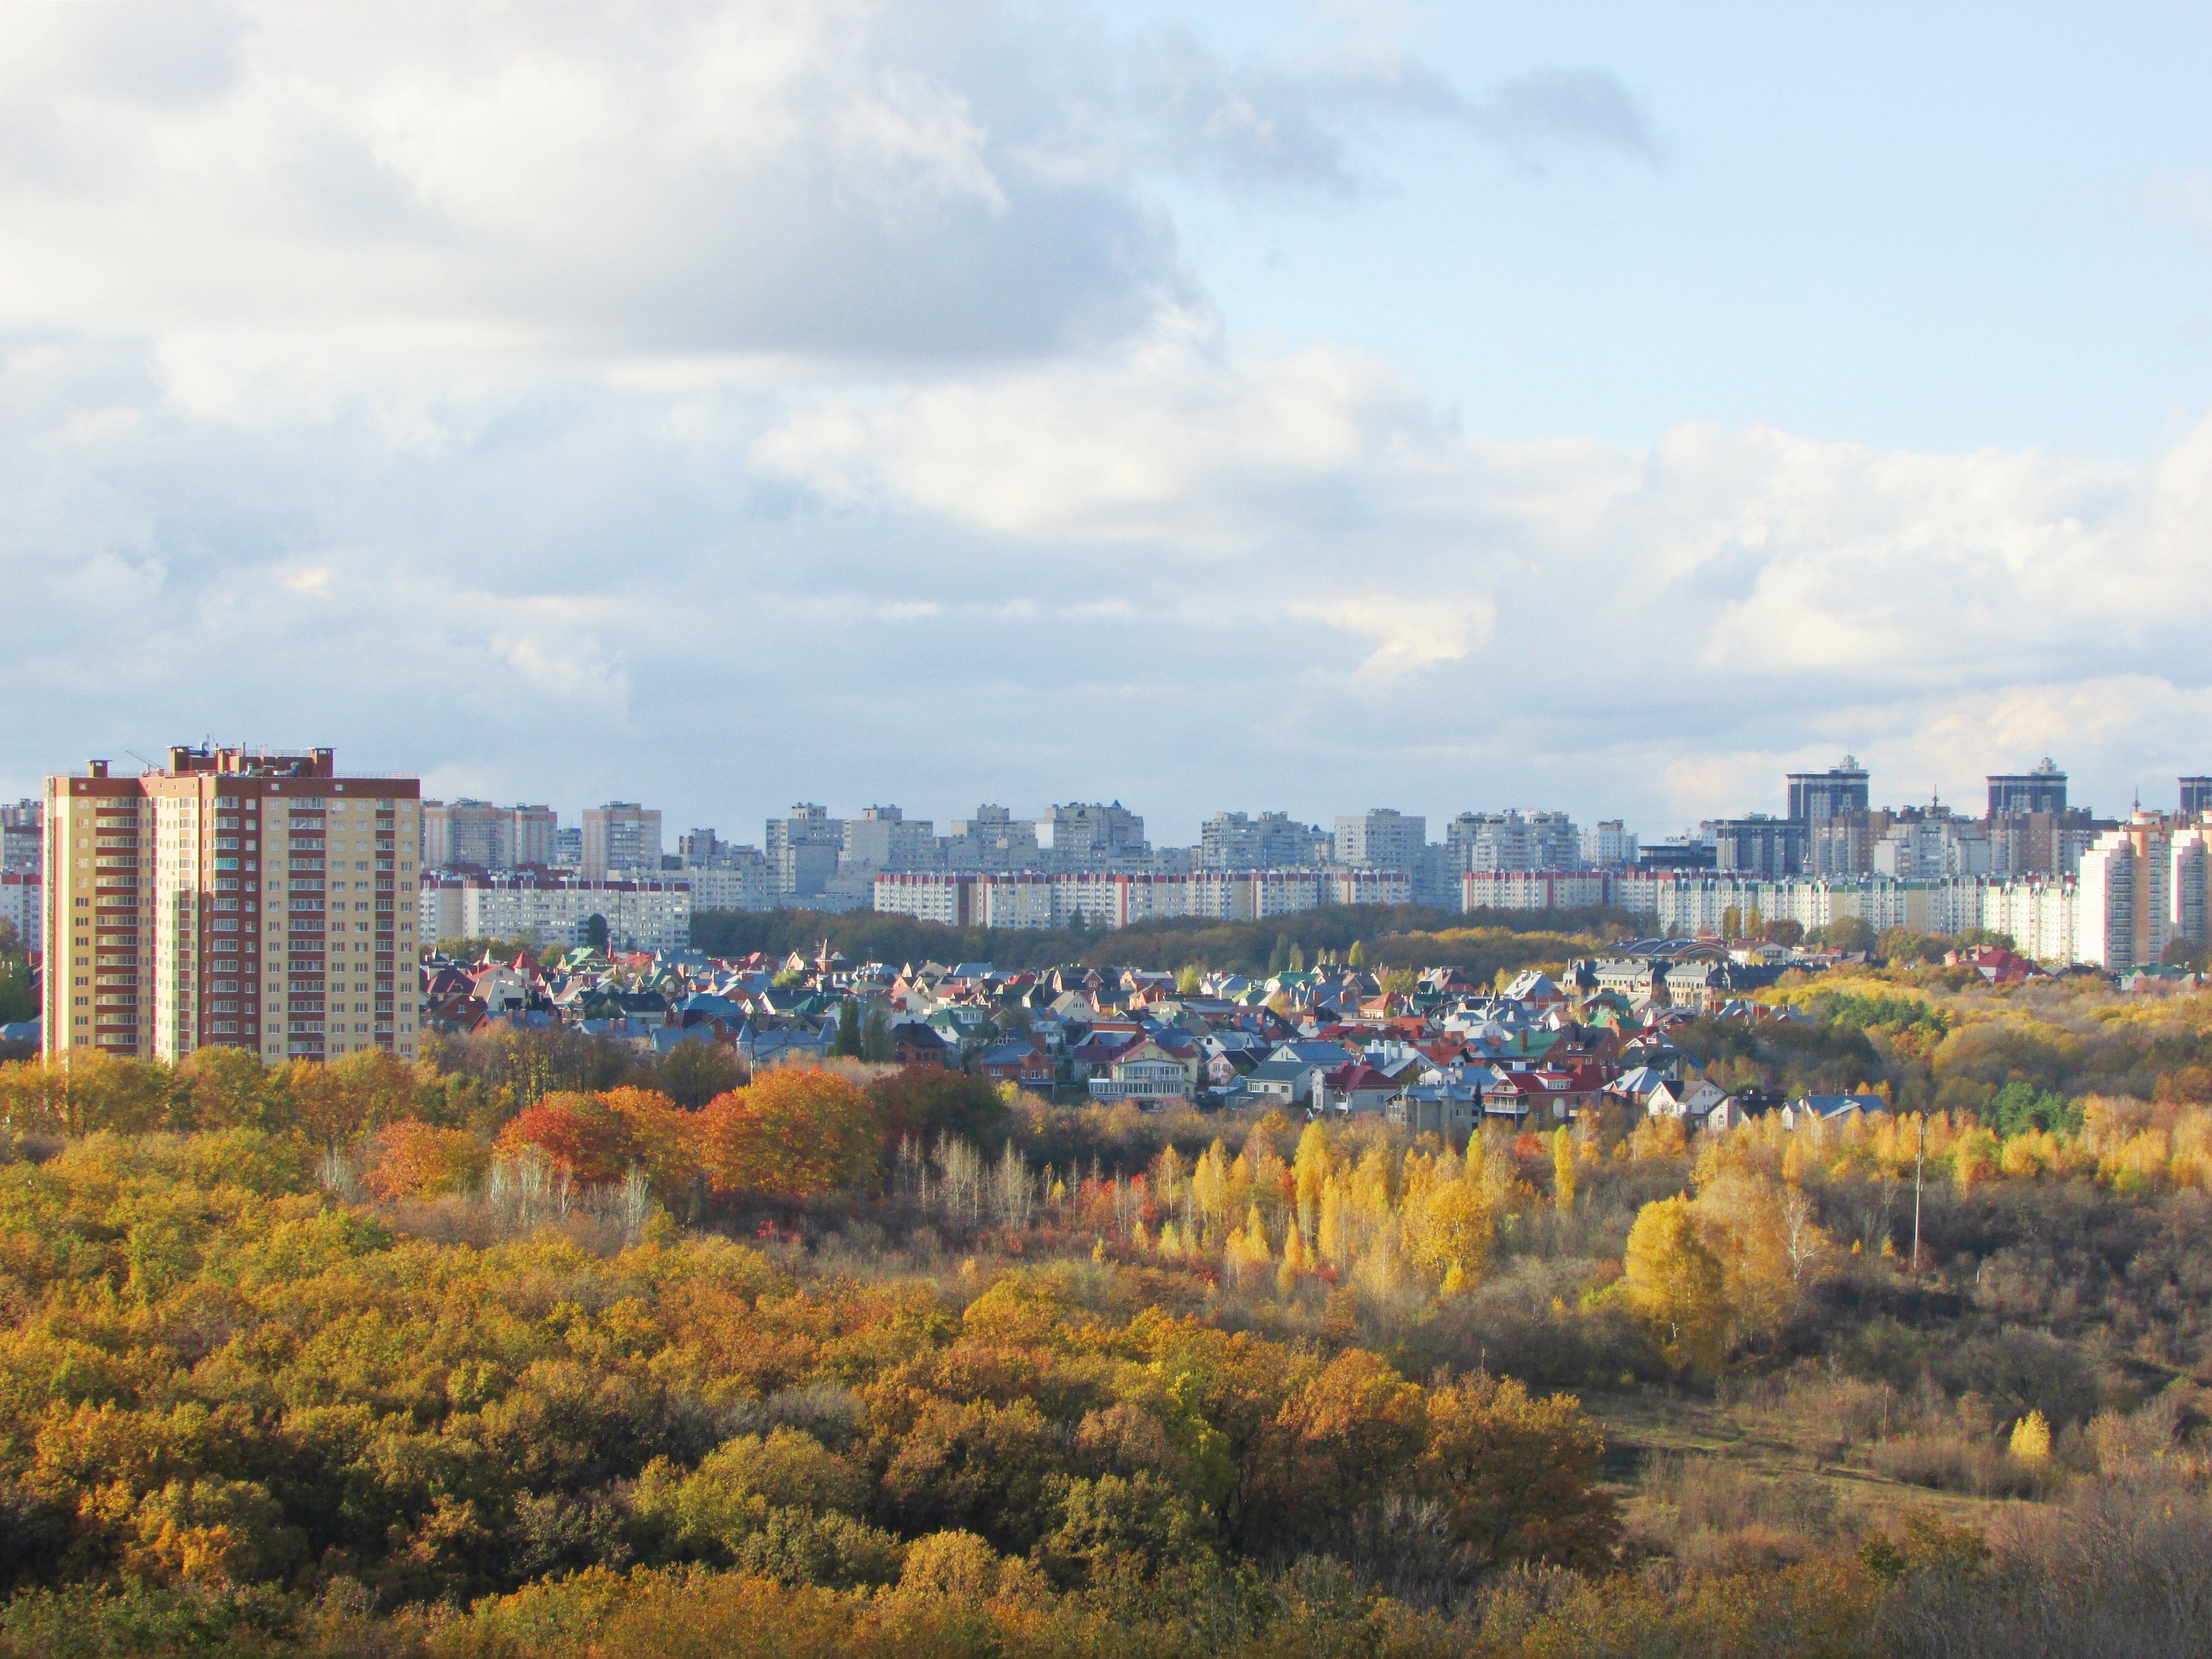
(1254, 124)
(1280, 125)
(1549, 110)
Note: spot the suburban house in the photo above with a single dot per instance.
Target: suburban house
(1147, 1071)
(1283, 1082)
(915, 1044)
(1019, 1063)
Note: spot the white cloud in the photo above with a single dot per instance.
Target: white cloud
(725, 401)
(747, 177)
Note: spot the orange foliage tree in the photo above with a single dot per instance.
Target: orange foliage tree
(663, 1136)
(582, 1134)
(415, 1160)
(791, 1133)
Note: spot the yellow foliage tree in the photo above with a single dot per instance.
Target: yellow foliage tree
(2031, 1441)
(1675, 1285)
(1562, 1169)
(1741, 1220)
(1332, 1238)
(1310, 1168)
(1452, 1224)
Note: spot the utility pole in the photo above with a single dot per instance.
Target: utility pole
(1919, 1162)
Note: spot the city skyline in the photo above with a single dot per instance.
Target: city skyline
(1319, 406)
(2163, 795)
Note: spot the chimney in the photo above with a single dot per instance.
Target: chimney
(99, 768)
(322, 765)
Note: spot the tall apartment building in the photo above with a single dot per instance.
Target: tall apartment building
(1512, 841)
(2189, 885)
(2043, 790)
(1273, 841)
(1932, 845)
(1609, 845)
(1831, 794)
(622, 835)
(2125, 905)
(22, 904)
(1844, 845)
(488, 837)
(1760, 846)
(236, 899)
(701, 848)
(1093, 836)
(22, 836)
(2196, 799)
(802, 850)
(885, 838)
(993, 840)
(1382, 838)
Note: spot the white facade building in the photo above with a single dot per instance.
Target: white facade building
(1035, 899)
(22, 894)
(1380, 838)
(1534, 889)
(1609, 845)
(647, 915)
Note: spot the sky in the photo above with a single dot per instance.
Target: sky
(726, 404)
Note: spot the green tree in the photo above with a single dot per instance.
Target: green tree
(693, 1073)
(1358, 957)
(595, 931)
(1850, 933)
(846, 1043)
(1297, 958)
(876, 1036)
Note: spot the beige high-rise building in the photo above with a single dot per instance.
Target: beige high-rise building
(245, 900)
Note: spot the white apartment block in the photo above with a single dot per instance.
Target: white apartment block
(1514, 841)
(1534, 889)
(22, 894)
(1609, 845)
(1036, 900)
(734, 884)
(649, 916)
(1380, 838)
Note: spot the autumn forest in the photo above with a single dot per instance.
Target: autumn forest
(536, 1348)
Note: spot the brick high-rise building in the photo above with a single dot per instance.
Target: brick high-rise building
(233, 899)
